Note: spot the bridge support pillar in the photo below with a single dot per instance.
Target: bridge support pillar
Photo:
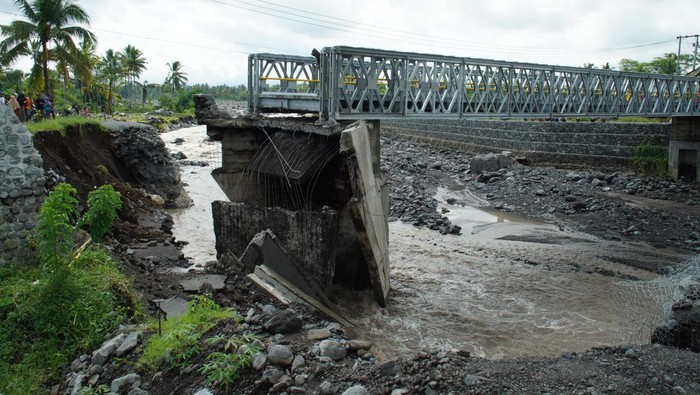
(684, 148)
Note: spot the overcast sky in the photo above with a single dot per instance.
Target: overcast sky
(212, 38)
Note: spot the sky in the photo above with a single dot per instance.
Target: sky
(213, 38)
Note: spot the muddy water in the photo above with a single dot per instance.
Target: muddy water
(506, 287)
(195, 224)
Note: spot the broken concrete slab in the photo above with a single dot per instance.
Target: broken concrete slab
(172, 307)
(287, 293)
(309, 237)
(195, 283)
(369, 206)
(265, 249)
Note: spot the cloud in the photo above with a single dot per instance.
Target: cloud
(212, 38)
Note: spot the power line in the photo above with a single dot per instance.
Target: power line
(413, 36)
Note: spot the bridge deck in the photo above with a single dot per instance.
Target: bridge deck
(347, 83)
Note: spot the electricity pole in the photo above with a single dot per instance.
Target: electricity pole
(695, 52)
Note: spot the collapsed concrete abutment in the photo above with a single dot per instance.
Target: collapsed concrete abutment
(317, 188)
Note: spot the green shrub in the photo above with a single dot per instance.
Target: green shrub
(54, 236)
(651, 156)
(103, 204)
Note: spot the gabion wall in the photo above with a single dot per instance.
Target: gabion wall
(21, 187)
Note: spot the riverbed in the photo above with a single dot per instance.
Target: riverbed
(506, 287)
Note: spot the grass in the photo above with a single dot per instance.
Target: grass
(62, 124)
(47, 319)
(181, 336)
(651, 157)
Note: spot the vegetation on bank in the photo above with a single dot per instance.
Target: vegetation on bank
(61, 124)
(71, 294)
(651, 157)
(67, 299)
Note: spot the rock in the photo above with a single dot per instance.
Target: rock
(332, 349)
(279, 354)
(298, 362)
(540, 192)
(359, 344)
(129, 343)
(389, 368)
(284, 321)
(273, 375)
(259, 361)
(471, 380)
(490, 162)
(326, 388)
(138, 391)
(356, 390)
(319, 334)
(78, 384)
(203, 391)
(102, 354)
(128, 379)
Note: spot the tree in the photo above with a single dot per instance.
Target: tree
(112, 70)
(84, 72)
(176, 77)
(47, 21)
(666, 64)
(134, 63)
(634, 66)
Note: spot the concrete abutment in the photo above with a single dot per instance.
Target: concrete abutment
(311, 186)
(684, 148)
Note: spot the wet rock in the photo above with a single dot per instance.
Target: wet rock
(284, 321)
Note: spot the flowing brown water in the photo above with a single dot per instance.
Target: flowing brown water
(506, 287)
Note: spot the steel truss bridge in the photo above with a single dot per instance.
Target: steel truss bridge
(347, 83)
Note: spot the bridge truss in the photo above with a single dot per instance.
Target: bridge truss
(347, 83)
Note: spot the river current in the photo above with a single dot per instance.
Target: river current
(506, 287)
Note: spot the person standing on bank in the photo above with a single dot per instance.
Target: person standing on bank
(14, 105)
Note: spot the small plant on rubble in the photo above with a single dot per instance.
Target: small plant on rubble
(222, 367)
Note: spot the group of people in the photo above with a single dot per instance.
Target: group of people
(25, 107)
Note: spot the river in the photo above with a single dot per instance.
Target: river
(507, 287)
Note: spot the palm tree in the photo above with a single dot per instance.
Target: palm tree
(111, 69)
(84, 71)
(176, 77)
(134, 63)
(47, 21)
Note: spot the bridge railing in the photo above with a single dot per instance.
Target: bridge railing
(361, 83)
(282, 82)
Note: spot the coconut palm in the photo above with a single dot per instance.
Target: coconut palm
(84, 71)
(112, 70)
(134, 63)
(48, 22)
(176, 77)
